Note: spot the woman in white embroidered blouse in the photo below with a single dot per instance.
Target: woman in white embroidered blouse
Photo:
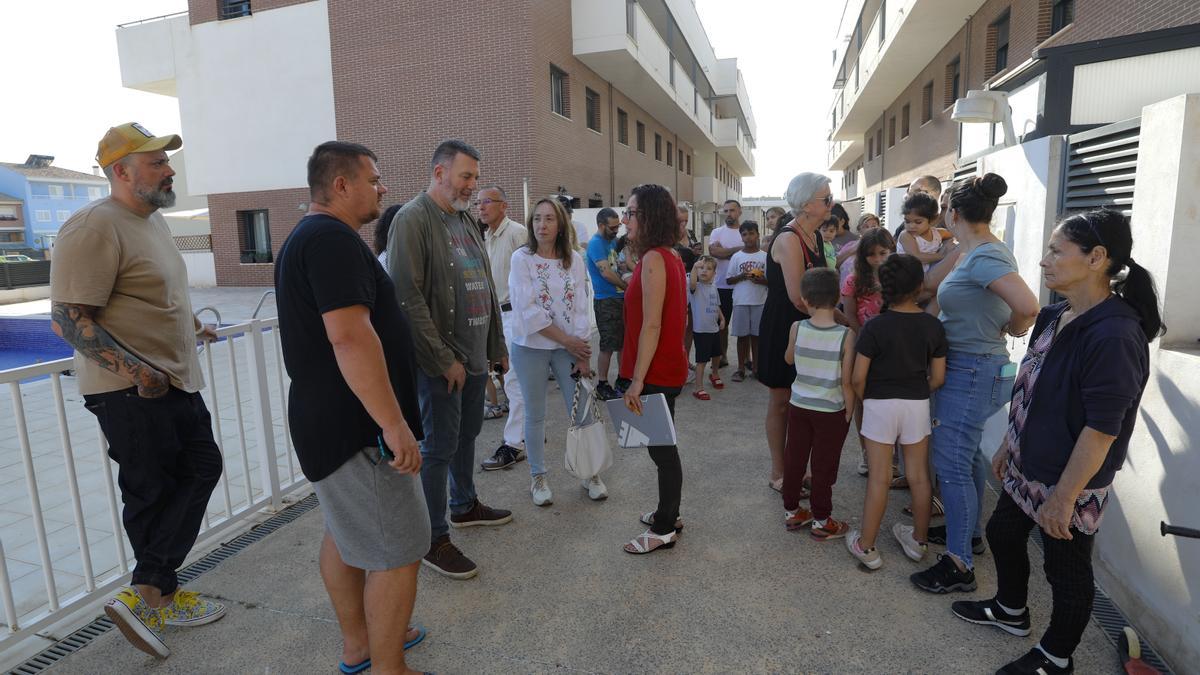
(550, 296)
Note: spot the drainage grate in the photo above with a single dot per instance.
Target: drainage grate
(1112, 621)
(80, 638)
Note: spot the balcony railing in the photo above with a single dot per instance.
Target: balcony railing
(68, 550)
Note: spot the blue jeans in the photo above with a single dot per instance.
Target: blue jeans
(973, 392)
(531, 366)
(451, 421)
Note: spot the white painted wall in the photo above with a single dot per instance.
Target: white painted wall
(255, 97)
(1139, 80)
(1155, 580)
(598, 26)
(1024, 219)
(201, 269)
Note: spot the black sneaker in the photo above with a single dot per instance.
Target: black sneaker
(479, 514)
(504, 457)
(944, 577)
(1035, 662)
(937, 535)
(990, 613)
(445, 559)
(605, 392)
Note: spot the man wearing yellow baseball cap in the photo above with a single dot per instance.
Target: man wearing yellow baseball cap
(119, 296)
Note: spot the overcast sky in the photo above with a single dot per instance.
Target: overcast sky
(65, 79)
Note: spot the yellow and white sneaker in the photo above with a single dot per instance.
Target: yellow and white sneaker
(138, 622)
(187, 608)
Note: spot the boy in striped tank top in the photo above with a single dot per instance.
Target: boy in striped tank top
(822, 352)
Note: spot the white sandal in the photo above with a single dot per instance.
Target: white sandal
(648, 519)
(648, 542)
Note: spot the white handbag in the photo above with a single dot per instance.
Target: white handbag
(588, 452)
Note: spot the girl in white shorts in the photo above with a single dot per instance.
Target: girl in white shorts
(901, 359)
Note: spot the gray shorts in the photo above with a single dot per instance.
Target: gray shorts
(377, 516)
(745, 320)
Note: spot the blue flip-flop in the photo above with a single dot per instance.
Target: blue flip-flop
(357, 668)
(360, 667)
(417, 640)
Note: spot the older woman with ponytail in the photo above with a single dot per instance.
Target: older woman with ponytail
(1073, 410)
(982, 301)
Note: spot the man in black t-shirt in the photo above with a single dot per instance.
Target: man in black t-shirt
(352, 408)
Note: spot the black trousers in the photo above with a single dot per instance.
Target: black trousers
(1068, 568)
(169, 466)
(670, 470)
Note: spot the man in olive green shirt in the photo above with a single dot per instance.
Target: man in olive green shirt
(444, 283)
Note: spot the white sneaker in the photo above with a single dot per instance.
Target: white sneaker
(595, 489)
(912, 548)
(540, 489)
(871, 558)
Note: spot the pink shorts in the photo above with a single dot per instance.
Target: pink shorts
(887, 420)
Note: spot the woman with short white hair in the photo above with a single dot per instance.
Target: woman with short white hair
(795, 248)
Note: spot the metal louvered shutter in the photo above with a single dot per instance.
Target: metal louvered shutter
(1100, 168)
(965, 171)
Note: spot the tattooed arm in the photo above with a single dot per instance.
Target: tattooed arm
(76, 324)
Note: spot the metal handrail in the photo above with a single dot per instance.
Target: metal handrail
(153, 18)
(260, 304)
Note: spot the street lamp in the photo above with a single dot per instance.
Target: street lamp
(986, 106)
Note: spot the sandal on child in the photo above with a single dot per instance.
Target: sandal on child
(738, 376)
(716, 382)
(899, 483)
(702, 395)
(492, 412)
(648, 542)
(648, 519)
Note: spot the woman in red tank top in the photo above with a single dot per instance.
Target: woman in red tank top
(654, 360)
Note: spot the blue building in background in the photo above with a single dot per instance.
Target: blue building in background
(50, 195)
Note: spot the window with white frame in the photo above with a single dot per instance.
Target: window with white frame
(42, 216)
(63, 215)
(95, 193)
(55, 191)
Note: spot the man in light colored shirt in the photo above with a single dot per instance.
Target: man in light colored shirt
(722, 244)
(119, 296)
(503, 237)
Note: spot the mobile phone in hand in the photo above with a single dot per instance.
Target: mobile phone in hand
(385, 453)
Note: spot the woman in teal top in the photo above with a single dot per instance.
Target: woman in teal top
(982, 302)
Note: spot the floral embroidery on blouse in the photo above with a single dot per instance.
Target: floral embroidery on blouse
(542, 271)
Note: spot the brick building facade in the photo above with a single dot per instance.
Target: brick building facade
(405, 77)
(970, 56)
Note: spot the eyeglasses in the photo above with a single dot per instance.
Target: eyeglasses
(633, 213)
(828, 199)
(485, 202)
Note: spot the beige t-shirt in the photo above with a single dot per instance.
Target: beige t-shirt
(128, 266)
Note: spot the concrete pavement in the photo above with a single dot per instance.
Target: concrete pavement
(557, 594)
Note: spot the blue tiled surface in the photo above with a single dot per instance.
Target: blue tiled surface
(27, 341)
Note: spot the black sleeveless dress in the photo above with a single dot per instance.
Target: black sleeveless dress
(779, 314)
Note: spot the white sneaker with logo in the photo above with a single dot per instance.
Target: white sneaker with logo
(540, 490)
(595, 489)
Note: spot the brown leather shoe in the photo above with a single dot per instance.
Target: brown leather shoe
(445, 559)
(479, 514)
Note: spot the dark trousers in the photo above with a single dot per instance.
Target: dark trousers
(1068, 568)
(814, 438)
(168, 466)
(670, 470)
